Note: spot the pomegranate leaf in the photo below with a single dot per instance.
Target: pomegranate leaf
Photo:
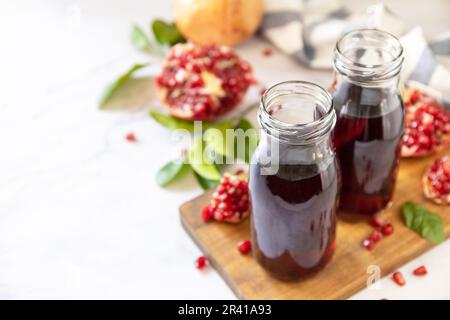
(246, 140)
(170, 171)
(428, 224)
(139, 39)
(201, 163)
(166, 33)
(171, 122)
(220, 138)
(205, 183)
(113, 87)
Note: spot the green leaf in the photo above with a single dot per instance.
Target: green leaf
(139, 39)
(220, 140)
(429, 225)
(113, 87)
(170, 171)
(244, 124)
(206, 184)
(200, 164)
(166, 33)
(246, 140)
(171, 122)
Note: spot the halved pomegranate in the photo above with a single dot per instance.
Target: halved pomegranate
(202, 82)
(229, 202)
(427, 125)
(436, 181)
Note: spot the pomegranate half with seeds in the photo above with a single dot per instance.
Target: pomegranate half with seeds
(427, 125)
(230, 201)
(436, 181)
(202, 82)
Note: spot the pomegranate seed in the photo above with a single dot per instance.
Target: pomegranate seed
(377, 222)
(262, 91)
(387, 229)
(368, 244)
(420, 271)
(267, 52)
(376, 236)
(201, 262)
(230, 200)
(245, 246)
(131, 137)
(333, 246)
(398, 278)
(206, 214)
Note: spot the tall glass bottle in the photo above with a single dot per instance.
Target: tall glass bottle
(294, 181)
(370, 118)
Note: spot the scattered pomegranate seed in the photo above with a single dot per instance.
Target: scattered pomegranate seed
(381, 228)
(131, 137)
(201, 262)
(368, 244)
(376, 236)
(398, 278)
(267, 52)
(420, 271)
(377, 222)
(206, 214)
(387, 229)
(245, 246)
(262, 91)
(333, 246)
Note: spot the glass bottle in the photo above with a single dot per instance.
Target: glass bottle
(370, 118)
(294, 181)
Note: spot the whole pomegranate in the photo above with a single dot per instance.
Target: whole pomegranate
(202, 82)
(427, 125)
(436, 181)
(221, 22)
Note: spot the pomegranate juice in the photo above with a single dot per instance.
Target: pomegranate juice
(294, 229)
(367, 139)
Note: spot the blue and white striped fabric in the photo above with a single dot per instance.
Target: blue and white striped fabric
(308, 30)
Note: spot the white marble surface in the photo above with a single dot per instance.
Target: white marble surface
(80, 213)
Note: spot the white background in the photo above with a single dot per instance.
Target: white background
(80, 213)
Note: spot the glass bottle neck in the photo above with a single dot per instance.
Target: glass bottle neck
(297, 112)
(369, 58)
(281, 152)
(385, 84)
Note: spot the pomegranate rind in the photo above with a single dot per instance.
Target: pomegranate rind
(202, 82)
(436, 181)
(427, 125)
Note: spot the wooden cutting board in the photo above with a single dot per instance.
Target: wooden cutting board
(346, 274)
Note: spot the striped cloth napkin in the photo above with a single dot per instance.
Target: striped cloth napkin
(308, 30)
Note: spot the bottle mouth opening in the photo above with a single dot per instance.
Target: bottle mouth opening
(368, 55)
(297, 112)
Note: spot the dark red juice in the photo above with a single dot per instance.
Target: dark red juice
(294, 228)
(367, 140)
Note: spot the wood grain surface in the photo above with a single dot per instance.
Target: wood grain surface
(346, 274)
